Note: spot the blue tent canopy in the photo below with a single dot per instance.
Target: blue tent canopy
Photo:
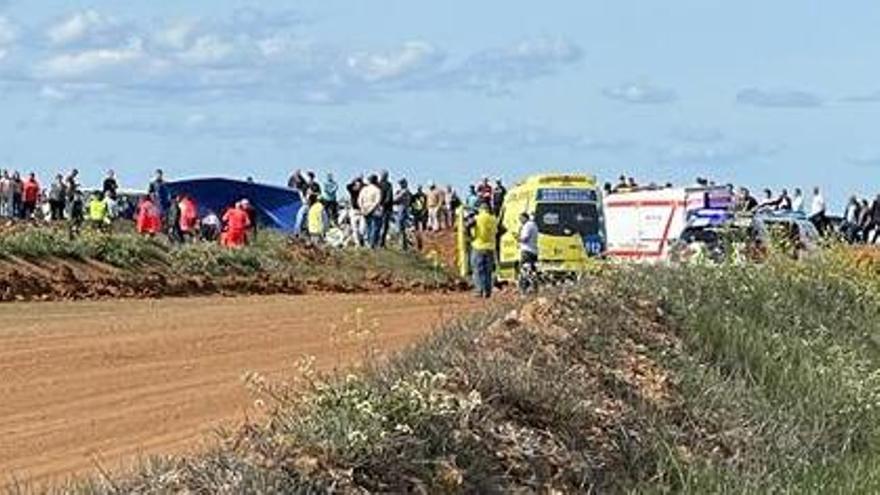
(276, 207)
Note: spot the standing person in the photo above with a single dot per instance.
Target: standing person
(318, 223)
(484, 231)
(5, 194)
(797, 203)
(98, 217)
(57, 198)
(370, 203)
(71, 184)
(484, 191)
(498, 195)
(448, 213)
(783, 203)
(30, 194)
(237, 224)
(77, 214)
(189, 218)
(818, 211)
(110, 186)
(328, 196)
(442, 214)
(387, 206)
(313, 189)
(528, 251)
(172, 221)
(851, 216)
(864, 221)
(297, 182)
(769, 203)
(435, 204)
(746, 202)
(253, 220)
(147, 220)
(17, 189)
(419, 209)
(473, 199)
(874, 224)
(159, 192)
(355, 216)
(402, 205)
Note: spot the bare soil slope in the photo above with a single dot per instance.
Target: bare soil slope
(108, 381)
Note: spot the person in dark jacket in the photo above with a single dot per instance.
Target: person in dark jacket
(387, 206)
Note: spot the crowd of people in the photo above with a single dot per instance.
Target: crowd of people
(373, 207)
(365, 212)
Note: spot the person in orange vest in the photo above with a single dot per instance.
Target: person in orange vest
(237, 224)
(148, 222)
(189, 217)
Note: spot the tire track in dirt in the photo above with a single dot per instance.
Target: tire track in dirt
(115, 380)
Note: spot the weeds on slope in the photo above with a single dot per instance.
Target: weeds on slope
(745, 379)
(784, 359)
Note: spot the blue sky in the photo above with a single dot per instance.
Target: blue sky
(782, 93)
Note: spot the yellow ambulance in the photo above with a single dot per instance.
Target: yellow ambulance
(567, 209)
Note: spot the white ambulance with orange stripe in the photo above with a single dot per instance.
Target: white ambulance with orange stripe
(641, 225)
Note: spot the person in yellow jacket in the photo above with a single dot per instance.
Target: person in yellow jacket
(99, 211)
(483, 234)
(317, 220)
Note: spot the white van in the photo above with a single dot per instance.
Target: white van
(641, 225)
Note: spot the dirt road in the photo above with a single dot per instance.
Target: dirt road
(109, 381)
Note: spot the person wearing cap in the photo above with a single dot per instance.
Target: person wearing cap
(402, 203)
(483, 235)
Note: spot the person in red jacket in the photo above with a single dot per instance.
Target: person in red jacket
(30, 193)
(189, 218)
(237, 224)
(149, 222)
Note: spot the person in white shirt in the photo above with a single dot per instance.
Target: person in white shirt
(817, 211)
(797, 202)
(528, 249)
(370, 204)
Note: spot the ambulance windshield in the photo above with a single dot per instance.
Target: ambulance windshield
(566, 219)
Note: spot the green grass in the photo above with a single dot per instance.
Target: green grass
(730, 379)
(272, 256)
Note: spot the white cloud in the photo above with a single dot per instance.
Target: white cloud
(258, 55)
(412, 57)
(84, 27)
(91, 63)
(176, 34)
(8, 36)
(495, 69)
(208, 50)
(640, 93)
(778, 98)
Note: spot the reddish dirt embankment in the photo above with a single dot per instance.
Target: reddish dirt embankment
(107, 381)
